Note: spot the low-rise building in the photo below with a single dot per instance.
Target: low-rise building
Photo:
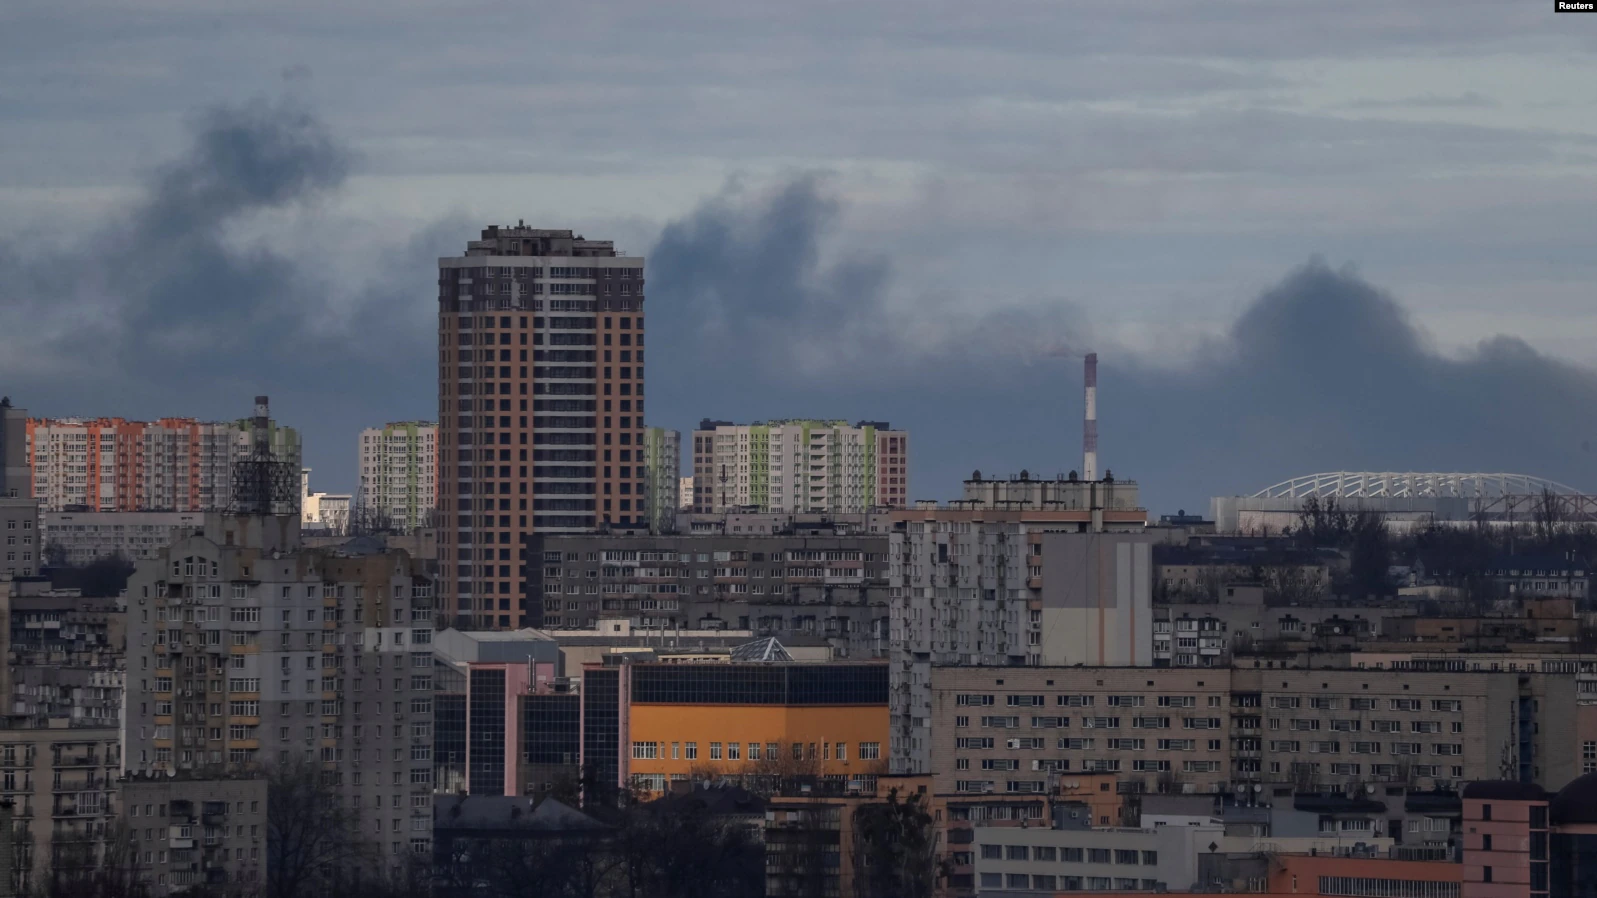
(190, 832)
(648, 725)
(1048, 860)
(79, 537)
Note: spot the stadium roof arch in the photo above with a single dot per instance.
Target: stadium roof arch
(1413, 484)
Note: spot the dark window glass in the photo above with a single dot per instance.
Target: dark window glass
(486, 705)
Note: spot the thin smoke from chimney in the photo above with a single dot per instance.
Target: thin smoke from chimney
(1089, 425)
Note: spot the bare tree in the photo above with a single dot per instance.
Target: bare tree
(895, 849)
(90, 868)
(313, 843)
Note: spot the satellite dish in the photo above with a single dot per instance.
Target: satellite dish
(170, 773)
(1369, 789)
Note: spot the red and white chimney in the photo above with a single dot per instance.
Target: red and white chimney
(1089, 426)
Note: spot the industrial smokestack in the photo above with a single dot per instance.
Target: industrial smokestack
(1089, 425)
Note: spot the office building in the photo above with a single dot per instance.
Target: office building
(189, 832)
(1018, 572)
(799, 465)
(662, 482)
(541, 412)
(504, 722)
(1523, 841)
(398, 476)
(649, 725)
(247, 649)
(791, 586)
(19, 510)
(171, 464)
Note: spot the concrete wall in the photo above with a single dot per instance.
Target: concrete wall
(1097, 599)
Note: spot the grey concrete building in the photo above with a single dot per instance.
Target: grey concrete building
(246, 649)
(191, 831)
(66, 655)
(19, 512)
(1015, 575)
(83, 536)
(1262, 732)
(61, 781)
(793, 587)
(1022, 730)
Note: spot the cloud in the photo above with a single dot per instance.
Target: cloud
(1321, 371)
(758, 279)
(1467, 100)
(170, 307)
(229, 275)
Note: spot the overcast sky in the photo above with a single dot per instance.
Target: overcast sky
(1301, 236)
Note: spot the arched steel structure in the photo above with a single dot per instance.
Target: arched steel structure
(1410, 484)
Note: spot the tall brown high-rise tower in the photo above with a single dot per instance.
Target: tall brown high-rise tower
(540, 409)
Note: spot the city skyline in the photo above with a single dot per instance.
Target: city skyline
(805, 275)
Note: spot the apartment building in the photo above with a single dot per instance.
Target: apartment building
(170, 464)
(61, 783)
(789, 586)
(662, 467)
(540, 407)
(1270, 732)
(398, 475)
(79, 537)
(246, 649)
(65, 656)
(19, 510)
(800, 465)
(649, 725)
(1327, 729)
(1017, 730)
(192, 832)
(1019, 572)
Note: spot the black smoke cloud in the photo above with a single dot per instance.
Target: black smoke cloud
(167, 310)
(170, 309)
(1321, 372)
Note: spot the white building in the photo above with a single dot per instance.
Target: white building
(800, 466)
(325, 514)
(398, 475)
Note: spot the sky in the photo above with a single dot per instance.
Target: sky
(1308, 237)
